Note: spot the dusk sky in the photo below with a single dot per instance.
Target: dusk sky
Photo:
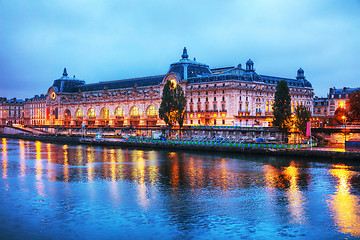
(109, 40)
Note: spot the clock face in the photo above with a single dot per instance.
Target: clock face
(173, 83)
(53, 95)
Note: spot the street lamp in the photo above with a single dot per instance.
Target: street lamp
(344, 118)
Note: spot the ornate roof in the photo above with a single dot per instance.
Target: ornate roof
(66, 84)
(119, 84)
(187, 68)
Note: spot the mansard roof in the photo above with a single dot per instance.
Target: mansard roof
(187, 68)
(237, 73)
(65, 83)
(344, 90)
(118, 84)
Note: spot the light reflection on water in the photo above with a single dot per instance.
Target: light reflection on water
(345, 206)
(95, 192)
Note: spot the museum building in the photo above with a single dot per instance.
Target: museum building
(230, 96)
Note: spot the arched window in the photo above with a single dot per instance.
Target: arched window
(67, 114)
(91, 113)
(79, 114)
(104, 113)
(151, 111)
(119, 112)
(135, 112)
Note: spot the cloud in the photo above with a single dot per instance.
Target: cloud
(107, 40)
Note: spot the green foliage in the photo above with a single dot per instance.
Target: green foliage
(180, 105)
(354, 106)
(302, 115)
(339, 115)
(173, 103)
(282, 107)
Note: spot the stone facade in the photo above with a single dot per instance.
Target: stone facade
(230, 96)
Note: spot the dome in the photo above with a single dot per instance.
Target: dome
(187, 68)
(300, 74)
(250, 62)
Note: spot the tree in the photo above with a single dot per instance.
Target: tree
(168, 104)
(302, 115)
(354, 106)
(282, 107)
(173, 103)
(339, 115)
(180, 105)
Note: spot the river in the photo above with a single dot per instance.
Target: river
(54, 191)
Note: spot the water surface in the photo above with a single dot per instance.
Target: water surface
(53, 191)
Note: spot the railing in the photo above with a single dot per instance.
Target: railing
(224, 144)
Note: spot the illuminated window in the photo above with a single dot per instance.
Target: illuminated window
(104, 113)
(67, 114)
(119, 112)
(79, 114)
(151, 111)
(91, 113)
(135, 112)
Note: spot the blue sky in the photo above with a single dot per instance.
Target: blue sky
(110, 40)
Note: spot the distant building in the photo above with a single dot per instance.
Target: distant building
(338, 97)
(12, 111)
(221, 96)
(324, 108)
(35, 110)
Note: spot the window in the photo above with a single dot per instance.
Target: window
(206, 92)
(135, 112)
(240, 98)
(240, 107)
(191, 100)
(215, 107)
(151, 111)
(207, 99)
(214, 99)
(91, 113)
(199, 92)
(119, 112)
(198, 99)
(223, 98)
(214, 92)
(104, 113)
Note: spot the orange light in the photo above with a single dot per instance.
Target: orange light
(343, 117)
(198, 115)
(215, 115)
(191, 115)
(223, 115)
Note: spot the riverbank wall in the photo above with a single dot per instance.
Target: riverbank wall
(272, 150)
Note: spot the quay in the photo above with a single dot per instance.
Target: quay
(272, 149)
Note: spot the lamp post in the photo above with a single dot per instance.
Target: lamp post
(344, 118)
